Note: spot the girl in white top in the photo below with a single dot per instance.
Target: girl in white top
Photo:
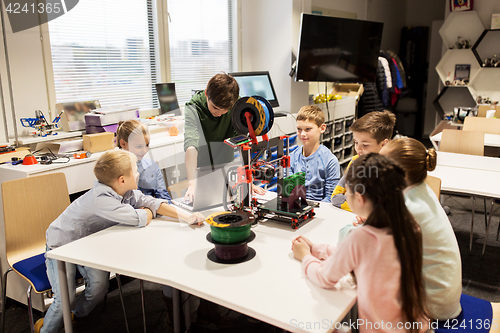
(442, 266)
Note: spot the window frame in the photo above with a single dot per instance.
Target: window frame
(162, 51)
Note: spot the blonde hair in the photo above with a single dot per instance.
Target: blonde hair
(112, 165)
(127, 127)
(311, 113)
(380, 125)
(413, 157)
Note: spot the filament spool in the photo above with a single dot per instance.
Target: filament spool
(261, 115)
(230, 233)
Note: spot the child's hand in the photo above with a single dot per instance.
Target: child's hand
(258, 190)
(189, 195)
(300, 249)
(305, 239)
(196, 218)
(359, 221)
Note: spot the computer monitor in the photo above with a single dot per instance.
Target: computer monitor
(167, 98)
(256, 83)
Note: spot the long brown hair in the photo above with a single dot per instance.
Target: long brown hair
(381, 180)
(412, 155)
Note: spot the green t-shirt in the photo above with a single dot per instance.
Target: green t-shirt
(207, 133)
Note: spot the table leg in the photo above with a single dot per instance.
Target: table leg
(487, 227)
(63, 287)
(177, 310)
(354, 317)
(186, 301)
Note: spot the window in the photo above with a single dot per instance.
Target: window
(201, 42)
(105, 50)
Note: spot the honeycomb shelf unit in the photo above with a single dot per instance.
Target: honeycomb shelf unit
(487, 46)
(467, 25)
(456, 57)
(451, 97)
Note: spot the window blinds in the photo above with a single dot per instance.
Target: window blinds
(201, 43)
(105, 50)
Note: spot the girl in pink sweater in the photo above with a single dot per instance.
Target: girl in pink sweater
(385, 253)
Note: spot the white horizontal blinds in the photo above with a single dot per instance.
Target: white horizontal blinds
(104, 50)
(200, 43)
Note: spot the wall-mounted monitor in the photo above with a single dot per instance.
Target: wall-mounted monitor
(167, 98)
(333, 49)
(256, 83)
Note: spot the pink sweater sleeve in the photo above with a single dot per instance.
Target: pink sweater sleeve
(322, 251)
(340, 262)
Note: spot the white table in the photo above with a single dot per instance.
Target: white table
(490, 140)
(270, 287)
(469, 175)
(167, 151)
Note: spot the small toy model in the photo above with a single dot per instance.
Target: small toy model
(41, 125)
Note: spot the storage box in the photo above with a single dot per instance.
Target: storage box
(61, 146)
(94, 119)
(348, 89)
(98, 142)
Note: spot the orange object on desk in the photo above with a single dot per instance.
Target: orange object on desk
(81, 154)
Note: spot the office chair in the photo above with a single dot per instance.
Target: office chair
(25, 226)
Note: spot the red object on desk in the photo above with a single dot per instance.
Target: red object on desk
(29, 160)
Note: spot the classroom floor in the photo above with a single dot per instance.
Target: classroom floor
(481, 278)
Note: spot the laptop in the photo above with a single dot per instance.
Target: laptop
(210, 184)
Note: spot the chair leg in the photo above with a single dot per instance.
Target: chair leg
(143, 307)
(472, 222)
(121, 299)
(498, 229)
(4, 297)
(487, 228)
(30, 310)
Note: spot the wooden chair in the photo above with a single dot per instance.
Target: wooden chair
(435, 184)
(462, 142)
(30, 205)
(465, 142)
(484, 125)
(177, 189)
(482, 109)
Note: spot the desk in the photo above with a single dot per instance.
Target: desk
(167, 151)
(490, 140)
(470, 175)
(270, 287)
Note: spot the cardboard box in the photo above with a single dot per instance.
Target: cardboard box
(98, 142)
(348, 89)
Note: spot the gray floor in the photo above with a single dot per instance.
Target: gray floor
(481, 278)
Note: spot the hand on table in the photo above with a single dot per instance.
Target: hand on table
(196, 218)
(258, 190)
(305, 239)
(300, 248)
(359, 221)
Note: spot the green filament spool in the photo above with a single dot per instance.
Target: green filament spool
(230, 235)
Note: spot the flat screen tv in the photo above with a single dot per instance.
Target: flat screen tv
(333, 49)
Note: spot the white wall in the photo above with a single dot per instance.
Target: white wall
(269, 33)
(27, 74)
(484, 9)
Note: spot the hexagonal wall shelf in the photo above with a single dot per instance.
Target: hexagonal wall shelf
(486, 83)
(452, 97)
(455, 57)
(468, 25)
(487, 46)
